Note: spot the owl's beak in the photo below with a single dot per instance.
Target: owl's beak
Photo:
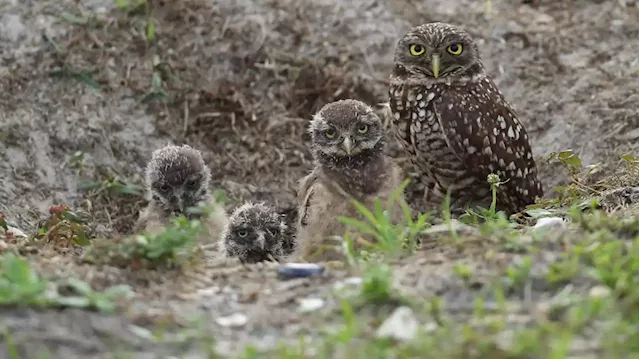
(347, 144)
(261, 240)
(435, 64)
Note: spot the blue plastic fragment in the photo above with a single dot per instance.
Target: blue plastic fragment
(299, 270)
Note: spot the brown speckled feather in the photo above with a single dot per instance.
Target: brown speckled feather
(456, 126)
(494, 143)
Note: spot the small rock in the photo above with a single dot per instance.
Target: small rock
(430, 327)
(631, 134)
(310, 304)
(16, 232)
(349, 282)
(446, 228)
(576, 59)
(349, 287)
(211, 291)
(551, 222)
(400, 325)
(599, 291)
(235, 320)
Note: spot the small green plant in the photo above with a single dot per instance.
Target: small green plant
(446, 215)
(593, 220)
(3, 222)
(151, 29)
(488, 8)
(12, 350)
(83, 76)
(133, 7)
(377, 285)
(463, 271)
(475, 216)
(569, 159)
(20, 285)
(76, 159)
(112, 184)
(166, 246)
(161, 73)
(615, 264)
(388, 237)
(64, 227)
(84, 19)
(565, 270)
(579, 187)
(518, 275)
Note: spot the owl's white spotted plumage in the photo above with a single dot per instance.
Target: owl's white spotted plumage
(347, 142)
(455, 124)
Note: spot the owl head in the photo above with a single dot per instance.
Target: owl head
(345, 129)
(177, 178)
(436, 50)
(256, 232)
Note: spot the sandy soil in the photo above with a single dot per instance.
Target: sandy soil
(241, 79)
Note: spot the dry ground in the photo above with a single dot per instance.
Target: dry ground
(239, 80)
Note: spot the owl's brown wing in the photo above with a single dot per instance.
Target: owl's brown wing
(305, 193)
(483, 130)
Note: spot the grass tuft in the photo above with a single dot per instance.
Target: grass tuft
(20, 285)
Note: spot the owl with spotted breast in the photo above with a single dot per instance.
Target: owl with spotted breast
(455, 125)
(347, 143)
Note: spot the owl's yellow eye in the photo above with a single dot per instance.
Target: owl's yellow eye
(330, 133)
(416, 50)
(363, 128)
(455, 49)
(242, 233)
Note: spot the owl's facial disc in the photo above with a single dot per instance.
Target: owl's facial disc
(434, 51)
(348, 142)
(345, 130)
(177, 195)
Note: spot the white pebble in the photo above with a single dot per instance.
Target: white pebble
(556, 222)
(599, 292)
(17, 232)
(235, 320)
(349, 282)
(400, 325)
(310, 304)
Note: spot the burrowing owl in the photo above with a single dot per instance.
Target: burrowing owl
(347, 145)
(255, 233)
(178, 179)
(455, 124)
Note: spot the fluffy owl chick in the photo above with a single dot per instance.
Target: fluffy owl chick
(178, 179)
(347, 142)
(256, 233)
(455, 124)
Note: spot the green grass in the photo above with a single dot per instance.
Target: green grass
(388, 237)
(174, 245)
(21, 286)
